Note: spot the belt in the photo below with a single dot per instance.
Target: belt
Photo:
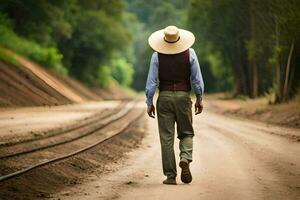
(175, 87)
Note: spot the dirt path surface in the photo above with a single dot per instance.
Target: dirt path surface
(233, 159)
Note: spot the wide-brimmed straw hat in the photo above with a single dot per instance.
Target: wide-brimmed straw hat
(171, 40)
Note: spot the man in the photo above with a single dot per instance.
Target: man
(174, 66)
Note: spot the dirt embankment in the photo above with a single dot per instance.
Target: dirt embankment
(25, 83)
(286, 114)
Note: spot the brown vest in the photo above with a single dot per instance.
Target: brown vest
(174, 72)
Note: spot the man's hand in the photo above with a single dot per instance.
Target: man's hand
(151, 111)
(198, 107)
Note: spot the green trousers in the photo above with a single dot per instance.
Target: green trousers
(174, 107)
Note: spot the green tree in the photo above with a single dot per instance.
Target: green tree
(39, 20)
(86, 32)
(92, 49)
(250, 39)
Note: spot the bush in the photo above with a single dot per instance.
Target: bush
(104, 76)
(122, 71)
(48, 57)
(8, 57)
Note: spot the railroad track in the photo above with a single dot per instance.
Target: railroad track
(58, 131)
(54, 136)
(22, 157)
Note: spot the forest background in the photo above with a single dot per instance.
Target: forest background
(247, 48)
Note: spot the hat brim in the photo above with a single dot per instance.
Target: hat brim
(157, 42)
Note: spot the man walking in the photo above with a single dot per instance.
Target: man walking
(174, 66)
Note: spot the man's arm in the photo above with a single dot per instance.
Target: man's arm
(152, 82)
(197, 81)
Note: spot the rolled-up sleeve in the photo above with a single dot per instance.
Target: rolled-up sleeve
(152, 79)
(196, 76)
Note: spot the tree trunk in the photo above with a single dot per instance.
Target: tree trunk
(292, 75)
(287, 73)
(253, 79)
(278, 85)
(240, 72)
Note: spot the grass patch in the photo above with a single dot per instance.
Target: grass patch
(8, 57)
(47, 57)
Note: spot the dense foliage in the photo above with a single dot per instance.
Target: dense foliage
(254, 42)
(78, 36)
(248, 47)
(46, 56)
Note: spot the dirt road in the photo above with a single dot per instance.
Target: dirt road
(233, 159)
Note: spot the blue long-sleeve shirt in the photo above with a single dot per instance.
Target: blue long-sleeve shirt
(196, 77)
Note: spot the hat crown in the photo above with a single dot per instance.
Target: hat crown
(171, 34)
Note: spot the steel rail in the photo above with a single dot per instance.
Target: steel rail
(69, 128)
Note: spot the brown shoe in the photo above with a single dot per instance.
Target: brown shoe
(186, 175)
(170, 181)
